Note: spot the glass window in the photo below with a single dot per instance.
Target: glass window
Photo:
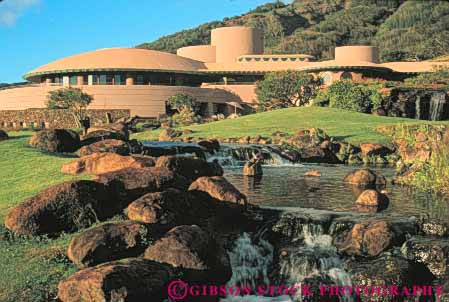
(326, 78)
(119, 79)
(95, 79)
(109, 78)
(139, 79)
(58, 80)
(73, 80)
(346, 76)
(103, 79)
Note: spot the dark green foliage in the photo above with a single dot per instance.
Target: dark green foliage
(440, 76)
(286, 89)
(404, 30)
(182, 101)
(350, 96)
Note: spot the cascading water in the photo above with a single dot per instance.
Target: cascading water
(437, 106)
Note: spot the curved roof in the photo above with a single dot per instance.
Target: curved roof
(119, 59)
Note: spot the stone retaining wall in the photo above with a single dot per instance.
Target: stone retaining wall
(47, 118)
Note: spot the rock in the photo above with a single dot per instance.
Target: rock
(367, 238)
(432, 252)
(191, 248)
(132, 183)
(106, 146)
(109, 242)
(210, 145)
(165, 151)
(3, 135)
(119, 127)
(315, 154)
(313, 173)
(190, 167)
(165, 208)
(100, 135)
(130, 280)
(372, 198)
(56, 140)
(169, 135)
(219, 188)
(67, 207)
(375, 150)
(253, 167)
(99, 163)
(365, 177)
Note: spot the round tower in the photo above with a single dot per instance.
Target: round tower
(357, 53)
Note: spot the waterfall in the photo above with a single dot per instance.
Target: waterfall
(437, 106)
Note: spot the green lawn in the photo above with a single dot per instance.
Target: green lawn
(350, 126)
(30, 268)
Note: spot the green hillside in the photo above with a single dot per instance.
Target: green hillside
(404, 30)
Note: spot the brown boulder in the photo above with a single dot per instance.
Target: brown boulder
(366, 238)
(100, 135)
(313, 173)
(99, 163)
(130, 280)
(109, 242)
(132, 183)
(56, 140)
(210, 145)
(3, 135)
(191, 248)
(68, 207)
(219, 188)
(166, 208)
(364, 177)
(375, 150)
(372, 198)
(106, 146)
(169, 134)
(190, 167)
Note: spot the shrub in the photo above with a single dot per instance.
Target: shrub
(182, 101)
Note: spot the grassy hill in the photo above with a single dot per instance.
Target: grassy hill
(404, 30)
(350, 126)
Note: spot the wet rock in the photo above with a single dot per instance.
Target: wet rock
(3, 135)
(169, 135)
(68, 207)
(384, 271)
(100, 135)
(109, 242)
(165, 208)
(219, 188)
(313, 173)
(365, 177)
(253, 167)
(372, 198)
(189, 167)
(375, 150)
(107, 146)
(433, 253)
(318, 155)
(190, 248)
(99, 163)
(211, 145)
(130, 280)
(131, 183)
(434, 227)
(56, 140)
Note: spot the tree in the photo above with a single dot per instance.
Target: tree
(286, 89)
(182, 102)
(73, 99)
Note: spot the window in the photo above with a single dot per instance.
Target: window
(346, 76)
(119, 79)
(73, 80)
(139, 80)
(102, 79)
(326, 78)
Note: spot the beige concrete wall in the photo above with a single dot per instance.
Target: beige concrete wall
(202, 53)
(247, 93)
(145, 101)
(232, 42)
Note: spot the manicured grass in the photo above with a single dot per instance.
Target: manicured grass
(30, 269)
(350, 126)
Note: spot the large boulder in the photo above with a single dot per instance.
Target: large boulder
(164, 208)
(130, 280)
(210, 145)
(190, 167)
(372, 198)
(365, 177)
(109, 242)
(99, 163)
(192, 249)
(56, 140)
(169, 134)
(67, 207)
(432, 252)
(132, 183)
(375, 150)
(219, 188)
(3, 135)
(100, 135)
(118, 127)
(106, 146)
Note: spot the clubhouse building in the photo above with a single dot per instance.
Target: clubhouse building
(219, 75)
